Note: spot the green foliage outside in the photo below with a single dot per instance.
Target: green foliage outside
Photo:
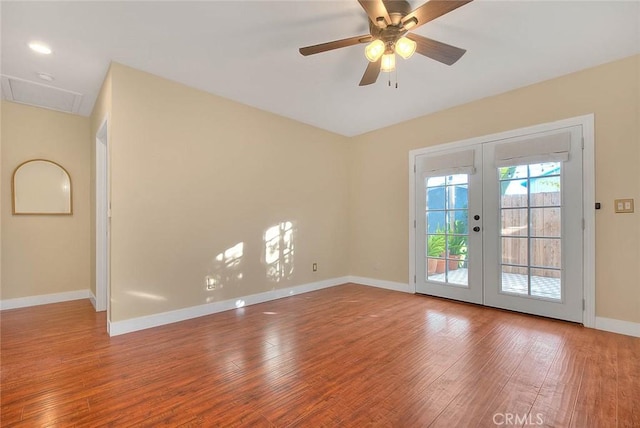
(436, 244)
(458, 242)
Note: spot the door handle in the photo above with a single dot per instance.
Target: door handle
(476, 217)
(476, 229)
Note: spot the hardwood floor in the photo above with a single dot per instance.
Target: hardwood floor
(346, 356)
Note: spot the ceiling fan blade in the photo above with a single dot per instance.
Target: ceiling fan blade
(434, 49)
(371, 73)
(430, 11)
(337, 44)
(376, 9)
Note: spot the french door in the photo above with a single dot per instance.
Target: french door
(449, 223)
(500, 223)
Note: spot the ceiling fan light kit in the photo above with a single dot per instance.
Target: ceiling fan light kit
(374, 50)
(389, 23)
(388, 63)
(405, 47)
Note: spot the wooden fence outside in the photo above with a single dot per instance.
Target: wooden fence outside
(544, 222)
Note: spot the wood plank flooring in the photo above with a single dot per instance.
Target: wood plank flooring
(347, 356)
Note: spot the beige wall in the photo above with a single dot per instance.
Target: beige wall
(194, 175)
(379, 173)
(44, 254)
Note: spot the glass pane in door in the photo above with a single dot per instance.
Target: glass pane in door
(447, 229)
(530, 211)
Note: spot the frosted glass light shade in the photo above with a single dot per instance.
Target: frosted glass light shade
(374, 50)
(405, 47)
(388, 62)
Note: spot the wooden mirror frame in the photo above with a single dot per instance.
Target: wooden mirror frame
(53, 208)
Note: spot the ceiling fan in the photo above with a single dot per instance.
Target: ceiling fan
(389, 25)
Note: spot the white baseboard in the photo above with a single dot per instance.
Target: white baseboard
(92, 299)
(135, 324)
(43, 299)
(380, 283)
(618, 326)
(127, 326)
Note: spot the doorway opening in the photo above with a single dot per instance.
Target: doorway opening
(102, 219)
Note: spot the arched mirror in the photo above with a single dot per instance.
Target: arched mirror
(41, 187)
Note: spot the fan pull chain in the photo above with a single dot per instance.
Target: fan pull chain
(396, 78)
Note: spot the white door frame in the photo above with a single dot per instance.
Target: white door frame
(102, 219)
(588, 198)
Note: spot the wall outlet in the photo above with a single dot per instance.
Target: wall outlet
(314, 267)
(210, 282)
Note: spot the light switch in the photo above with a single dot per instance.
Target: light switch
(623, 205)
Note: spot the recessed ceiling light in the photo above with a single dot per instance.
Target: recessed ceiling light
(40, 48)
(45, 76)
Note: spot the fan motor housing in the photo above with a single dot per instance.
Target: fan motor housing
(397, 9)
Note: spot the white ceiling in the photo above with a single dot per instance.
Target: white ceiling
(248, 51)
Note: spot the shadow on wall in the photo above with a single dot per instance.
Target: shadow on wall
(278, 249)
(226, 268)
